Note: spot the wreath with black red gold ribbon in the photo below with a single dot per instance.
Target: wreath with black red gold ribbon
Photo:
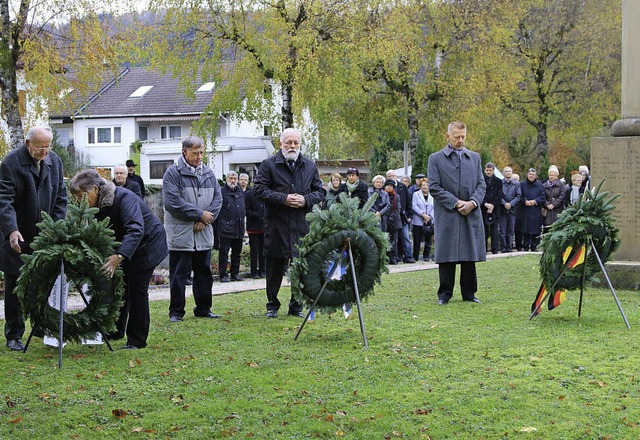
(589, 219)
(317, 251)
(82, 243)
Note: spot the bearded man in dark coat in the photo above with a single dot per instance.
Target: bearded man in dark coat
(289, 185)
(31, 181)
(457, 186)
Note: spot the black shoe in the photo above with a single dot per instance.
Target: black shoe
(225, 279)
(255, 276)
(271, 314)
(442, 302)
(394, 262)
(189, 281)
(129, 347)
(409, 260)
(175, 319)
(298, 314)
(209, 314)
(263, 274)
(236, 278)
(474, 299)
(15, 345)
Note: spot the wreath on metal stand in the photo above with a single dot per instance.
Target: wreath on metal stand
(589, 218)
(576, 247)
(82, 243)
(325, 244)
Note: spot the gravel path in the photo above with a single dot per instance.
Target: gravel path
(159, 293)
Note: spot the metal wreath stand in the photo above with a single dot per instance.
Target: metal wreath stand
(590, 248)
(345, 247)
(63, 292)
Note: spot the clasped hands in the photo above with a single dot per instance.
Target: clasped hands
(464, 208)
(206, 219)
(295, 201)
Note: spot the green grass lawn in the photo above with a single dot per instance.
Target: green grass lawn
(471, 371)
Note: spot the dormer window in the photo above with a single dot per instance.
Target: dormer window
(140, 91)
(206, 87)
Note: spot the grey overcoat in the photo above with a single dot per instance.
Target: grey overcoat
(458, 237)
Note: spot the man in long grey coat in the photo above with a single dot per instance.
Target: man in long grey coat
(31, 181)
(457, 186)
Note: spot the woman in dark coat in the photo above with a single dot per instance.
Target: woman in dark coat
(394, 224)
(532, 201)
(333, 189)
(554, 192)
(255, 230)
(143, 245)
(381, 205)
(353, 187)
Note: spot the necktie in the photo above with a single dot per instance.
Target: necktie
(292, 164)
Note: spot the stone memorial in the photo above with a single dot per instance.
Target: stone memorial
(617, 158)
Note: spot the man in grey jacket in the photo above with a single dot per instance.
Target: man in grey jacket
(457, 186)
(192, 201)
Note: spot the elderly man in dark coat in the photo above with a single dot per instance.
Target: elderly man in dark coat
(532, 202)
(457, 186)
(120, 179)
(31, 181)
(231, 228)
(289, 185)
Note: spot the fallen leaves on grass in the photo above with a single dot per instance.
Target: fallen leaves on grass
(528, 429)
(119, 413)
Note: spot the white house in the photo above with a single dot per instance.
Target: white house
(148, 106)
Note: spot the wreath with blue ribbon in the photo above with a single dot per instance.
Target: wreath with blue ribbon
(324, 245)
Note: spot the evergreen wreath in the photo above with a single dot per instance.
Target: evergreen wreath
(588, 219)
(83, 243)
(329, 229)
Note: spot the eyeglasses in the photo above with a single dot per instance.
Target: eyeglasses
(48, 147)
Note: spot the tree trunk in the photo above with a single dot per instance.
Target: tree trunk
(413, 123)
(287, 111)
(10, 107)
(542, 142)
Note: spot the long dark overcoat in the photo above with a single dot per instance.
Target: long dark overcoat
(531, 216)
(275, 180)
(255, 211)
(231, 218)
(457, 237)
(23, 196)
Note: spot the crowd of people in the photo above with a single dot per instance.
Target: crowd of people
(447, 206)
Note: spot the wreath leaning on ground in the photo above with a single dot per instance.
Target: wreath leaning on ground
(329, 230)
(588, 219)
(83, 243)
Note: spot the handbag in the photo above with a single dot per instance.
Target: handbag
(427, 228)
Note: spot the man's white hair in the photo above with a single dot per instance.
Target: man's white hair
(232, 173)
(286, 131)
(33, 131)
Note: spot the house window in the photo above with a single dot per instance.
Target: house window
(104, 135)
(63, 136)
(143, 133)
(170, 131)
(158, 167)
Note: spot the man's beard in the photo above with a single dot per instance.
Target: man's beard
(291, 155)
(232, 185)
